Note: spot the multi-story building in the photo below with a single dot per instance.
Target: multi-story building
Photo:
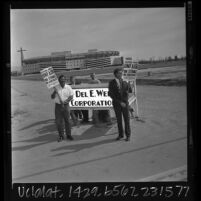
(61, 61)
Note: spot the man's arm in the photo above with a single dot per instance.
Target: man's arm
(129, 88)
(68, 99)
(112, 95)
(70, 95)
(53, 95)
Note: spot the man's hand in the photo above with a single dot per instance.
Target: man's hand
(123, 104)
(130, 87)
(53, 94)
(68, 100)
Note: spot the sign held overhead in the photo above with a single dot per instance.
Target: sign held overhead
(49, 77)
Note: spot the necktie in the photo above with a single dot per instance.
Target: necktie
(120, 82)
(120, 87)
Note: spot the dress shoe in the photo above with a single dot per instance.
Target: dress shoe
(119, 138)
(128, 139)
(69, 137)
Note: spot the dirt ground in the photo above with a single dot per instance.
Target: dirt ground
(158, 143)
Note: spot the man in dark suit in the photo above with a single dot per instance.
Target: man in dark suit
(119, 91)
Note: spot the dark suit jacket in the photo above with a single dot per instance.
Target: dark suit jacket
(118, 95)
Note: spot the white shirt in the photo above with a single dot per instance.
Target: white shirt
(95, 81)
(64, 93)
(118, 83)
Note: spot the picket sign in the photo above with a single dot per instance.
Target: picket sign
(51, 80)
(129, 75)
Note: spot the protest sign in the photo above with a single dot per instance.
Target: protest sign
(49, 77)
(129, 74)
(51, 80)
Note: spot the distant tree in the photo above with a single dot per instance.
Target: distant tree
(175, 57)
(169, 58)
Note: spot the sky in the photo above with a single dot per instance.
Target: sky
(138, 32)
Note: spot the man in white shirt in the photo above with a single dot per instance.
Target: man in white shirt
(62, 96)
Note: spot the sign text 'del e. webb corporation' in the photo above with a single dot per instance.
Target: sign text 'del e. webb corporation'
(91, 98)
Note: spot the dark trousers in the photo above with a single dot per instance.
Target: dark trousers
(104, 116)
(73, 117)
(62, 114)
(119, 112)
(85, 114)
(75, 114)
(78, 113)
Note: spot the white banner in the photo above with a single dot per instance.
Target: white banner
(49, 77)
(91, 97)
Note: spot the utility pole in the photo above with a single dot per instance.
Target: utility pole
(22, 58)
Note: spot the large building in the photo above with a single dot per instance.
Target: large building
(61, 61)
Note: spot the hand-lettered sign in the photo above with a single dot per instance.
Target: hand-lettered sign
(129, 74)
(49, 77)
